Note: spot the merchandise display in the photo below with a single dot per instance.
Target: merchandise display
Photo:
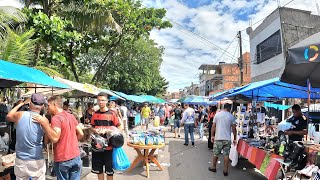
(148, 138)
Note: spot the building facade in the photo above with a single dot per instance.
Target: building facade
(269, 42)
(224, 76)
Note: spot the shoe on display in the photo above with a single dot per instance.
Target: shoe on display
(315, 169)
(307, 169)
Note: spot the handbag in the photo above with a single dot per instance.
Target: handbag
(120, 159)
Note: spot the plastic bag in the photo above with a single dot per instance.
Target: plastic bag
(120, 159)
(233, 155)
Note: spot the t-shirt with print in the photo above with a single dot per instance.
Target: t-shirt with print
(105, 120)
(300, 123)
(67, 146)
(223, 121)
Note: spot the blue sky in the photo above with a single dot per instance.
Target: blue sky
(215, 20)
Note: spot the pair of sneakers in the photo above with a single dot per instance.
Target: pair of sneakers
(308, 170)
(192, 145)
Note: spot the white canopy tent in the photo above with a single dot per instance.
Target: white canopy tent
(84, 89)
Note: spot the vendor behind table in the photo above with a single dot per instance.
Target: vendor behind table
(299, 121)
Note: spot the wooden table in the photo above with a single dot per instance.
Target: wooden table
(146, 156)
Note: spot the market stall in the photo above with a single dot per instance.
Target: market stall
(146, 144)
(11, 75)
(261, 140)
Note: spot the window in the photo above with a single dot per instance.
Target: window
(269, 47)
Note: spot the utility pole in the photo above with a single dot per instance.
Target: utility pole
(240, 59)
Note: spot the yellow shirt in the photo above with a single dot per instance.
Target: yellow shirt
(145, 112)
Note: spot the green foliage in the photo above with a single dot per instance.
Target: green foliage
(105, 42)
(134, 68)
(8, 17)
(18, 47)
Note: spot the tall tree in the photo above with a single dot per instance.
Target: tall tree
(134, 68)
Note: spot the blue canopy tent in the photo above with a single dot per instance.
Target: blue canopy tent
(12, 74)
(273, 89)
(199, 100)
(223, 94)
(276, 106)
(133, 98)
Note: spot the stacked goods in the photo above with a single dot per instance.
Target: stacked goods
(146, 138)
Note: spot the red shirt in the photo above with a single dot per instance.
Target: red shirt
(67, 147)
(105, 120)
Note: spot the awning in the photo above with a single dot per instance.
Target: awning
(111, 93)
(12, 74)
(133, 98)
(274, 89)
(152, 99)
(276, 106)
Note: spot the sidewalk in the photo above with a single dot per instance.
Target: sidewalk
(184, 163)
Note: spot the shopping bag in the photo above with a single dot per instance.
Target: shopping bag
(120, 160)
(156, 122)
(233, 155)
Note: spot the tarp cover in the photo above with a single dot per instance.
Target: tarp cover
(12, 74)
(303, 62)
(274, 89)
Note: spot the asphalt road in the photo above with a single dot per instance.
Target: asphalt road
(185, 163)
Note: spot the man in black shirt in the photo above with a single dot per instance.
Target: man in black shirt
(177, 112)
(300, 122)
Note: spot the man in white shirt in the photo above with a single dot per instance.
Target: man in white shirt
(223, 123)
(188, 117)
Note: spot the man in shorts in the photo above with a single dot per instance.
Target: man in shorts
(223, 123)
(29, 162)
(145, 112)
(101, 120)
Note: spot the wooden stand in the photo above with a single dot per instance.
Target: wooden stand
(145, 157)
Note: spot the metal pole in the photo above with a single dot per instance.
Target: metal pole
(240, 58)
(309, 97)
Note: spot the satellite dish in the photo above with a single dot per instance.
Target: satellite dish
(249, 30)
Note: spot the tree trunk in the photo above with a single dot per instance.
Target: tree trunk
(36, 55)
(104, 61)
(73, 67)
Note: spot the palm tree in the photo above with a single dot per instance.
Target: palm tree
(18, 47)
(89, 15)
(9, 16)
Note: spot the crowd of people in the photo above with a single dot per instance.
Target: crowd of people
(36, 127)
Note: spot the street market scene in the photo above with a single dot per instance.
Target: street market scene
(159, 89)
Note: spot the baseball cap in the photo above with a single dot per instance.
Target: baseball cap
(38, 99)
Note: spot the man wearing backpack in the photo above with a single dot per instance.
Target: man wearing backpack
(177, 112)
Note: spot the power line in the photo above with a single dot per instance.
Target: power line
(288, 3)
(226, 49)
(216, 47)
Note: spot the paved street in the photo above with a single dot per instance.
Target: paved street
(186, 163)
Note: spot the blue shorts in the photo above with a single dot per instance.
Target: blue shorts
(176, 123)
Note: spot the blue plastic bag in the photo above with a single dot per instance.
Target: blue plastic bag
(120, 159)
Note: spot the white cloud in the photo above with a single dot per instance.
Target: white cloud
(217, 22)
